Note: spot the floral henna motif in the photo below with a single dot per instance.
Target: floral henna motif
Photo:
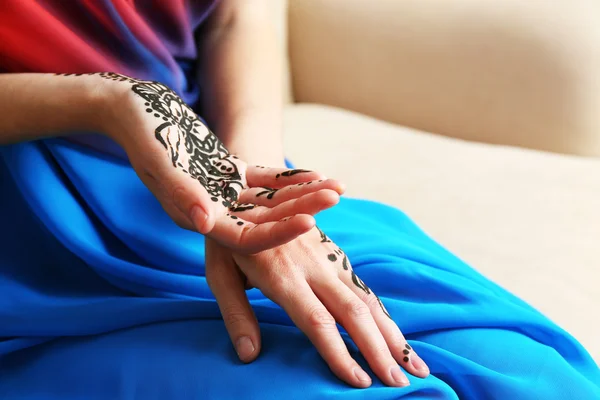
(191, 146)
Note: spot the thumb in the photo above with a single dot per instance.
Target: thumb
(185, 199)
(227, 284)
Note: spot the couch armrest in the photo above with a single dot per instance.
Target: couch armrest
(497, 71)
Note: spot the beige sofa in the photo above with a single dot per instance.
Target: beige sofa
(481, 120)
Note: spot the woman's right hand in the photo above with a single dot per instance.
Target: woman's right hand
(197, 181)
(312, 279)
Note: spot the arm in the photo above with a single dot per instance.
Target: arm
(242, 70)
(34, 106)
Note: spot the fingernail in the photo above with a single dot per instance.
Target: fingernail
(419, 364)
(244, 347)
(399, 377)
(362, 376)
(198, 217)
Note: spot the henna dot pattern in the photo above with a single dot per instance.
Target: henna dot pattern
(333, 257)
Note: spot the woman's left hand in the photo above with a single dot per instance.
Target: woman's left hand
(312, 280)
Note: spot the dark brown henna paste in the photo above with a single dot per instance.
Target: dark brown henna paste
(269, 192)
(333, 257)
(180, 130)
(292, 172)
(242, 207)
(406, 352)
(324, 238)
(383, 308)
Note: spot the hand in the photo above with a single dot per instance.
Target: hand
(312, 280)
(198, 183)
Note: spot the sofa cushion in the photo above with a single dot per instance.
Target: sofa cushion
(528, 220)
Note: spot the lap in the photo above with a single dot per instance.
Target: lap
(100, 316)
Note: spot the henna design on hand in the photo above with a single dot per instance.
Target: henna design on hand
(269, 192)
(191, 146)
(406, 352)
(242, 207)
(333, 257)
(292, 172)
(324, 238)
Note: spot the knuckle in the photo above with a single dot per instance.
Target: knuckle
(356, 309)
(371, 301)
(397, 342)
(320, 318)
(235, 316)
(279, 285)
(178, 194)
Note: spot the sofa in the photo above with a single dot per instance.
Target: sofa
(480, 120)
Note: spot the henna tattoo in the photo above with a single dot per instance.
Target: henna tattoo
(242, 207)
(406, 352)
(292, 172)
(324, 238)
(269, 192)
(333, 257)
(191, 146)
(383, 307)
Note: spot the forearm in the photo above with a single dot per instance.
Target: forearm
(34, 106)
(243, 82)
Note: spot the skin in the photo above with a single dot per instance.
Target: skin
(132, 113)
(276, 248)
(243, 79)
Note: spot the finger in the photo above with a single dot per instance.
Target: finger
(269, 197)
(227, 284)
(310, 204)
(310, 316)
(355, 316)
(257, 176)
(402, 352)
(248, 238)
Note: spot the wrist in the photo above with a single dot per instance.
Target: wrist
(106, 101)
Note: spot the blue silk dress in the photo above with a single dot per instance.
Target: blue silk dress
(102, 296)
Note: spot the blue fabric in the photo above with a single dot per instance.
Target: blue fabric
(102, 296)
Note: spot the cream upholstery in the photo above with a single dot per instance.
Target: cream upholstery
(528, 220)
(521, 74)
(500, 71)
